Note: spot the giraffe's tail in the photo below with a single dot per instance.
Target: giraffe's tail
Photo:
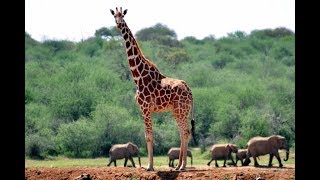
(193, 125)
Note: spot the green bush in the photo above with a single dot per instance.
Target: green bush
(253, 123)
(91, 46)
(40, 145)
(222, 60)
(77, 139)
(115, 126)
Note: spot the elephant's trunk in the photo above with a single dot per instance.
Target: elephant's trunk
(287, 155)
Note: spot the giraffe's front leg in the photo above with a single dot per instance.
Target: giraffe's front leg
(149, 139)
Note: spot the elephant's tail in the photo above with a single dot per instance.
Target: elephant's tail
(193, 124)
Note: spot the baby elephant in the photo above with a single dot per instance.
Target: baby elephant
(222, 151)
(241, 155)
(173, 154)
(127, 151)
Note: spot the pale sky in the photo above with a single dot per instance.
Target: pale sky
(78, 19)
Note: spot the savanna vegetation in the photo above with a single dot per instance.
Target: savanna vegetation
(79, 96)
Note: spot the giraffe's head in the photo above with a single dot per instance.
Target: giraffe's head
(118, 16)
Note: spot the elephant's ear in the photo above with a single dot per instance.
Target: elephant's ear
(274, 141)
(130, 147)
(228, 147)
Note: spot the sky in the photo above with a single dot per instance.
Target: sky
(75, 20)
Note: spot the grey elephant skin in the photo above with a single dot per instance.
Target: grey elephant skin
(173, 154)
(127, 151)
(241, 155)
(222, 151)
(258, 146)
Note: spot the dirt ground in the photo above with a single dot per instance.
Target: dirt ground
(163, 172)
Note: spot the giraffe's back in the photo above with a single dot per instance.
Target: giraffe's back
(172, 93)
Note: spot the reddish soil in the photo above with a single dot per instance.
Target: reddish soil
(163, 172)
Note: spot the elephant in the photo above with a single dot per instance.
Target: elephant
(241, 155)
(258, 146)
(127, 151)
(173, 154)
(222, 151)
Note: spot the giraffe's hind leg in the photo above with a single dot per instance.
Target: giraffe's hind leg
(181, 154)
(182, 116)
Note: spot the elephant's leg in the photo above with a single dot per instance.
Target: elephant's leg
(216, 163)
(132, 162)
(149, 137)
(210, 162)
(224, 162)
(236, 161)
(241, 160)
(110, 161)
(115, 163)
(125, 162)
(255, 161)
(270, 160)
(278, 158)
(247, 159)
(232, 160)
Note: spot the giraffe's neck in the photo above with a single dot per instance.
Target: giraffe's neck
(142, 70)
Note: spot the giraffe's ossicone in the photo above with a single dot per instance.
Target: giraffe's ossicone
(157, 93)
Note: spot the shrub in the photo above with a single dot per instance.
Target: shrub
(39, 145)
(77, 139)
(253, 123)
(222, 60)
(115, 126)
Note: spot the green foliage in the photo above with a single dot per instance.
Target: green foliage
(222, 60)
(91, 46)
(166, 135)
(174, 56)
(40, 145)
(115, 126)
(229, 122)
(107, 33)
(273, 33)
(159, 33)
(79, 97)
(253, 123)
(56, 46)
(237, 35)
(192, 40)
(76, 139)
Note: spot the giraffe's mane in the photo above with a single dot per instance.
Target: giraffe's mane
(143, 57)
(139, 50)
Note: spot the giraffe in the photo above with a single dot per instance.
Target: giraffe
(157, 93)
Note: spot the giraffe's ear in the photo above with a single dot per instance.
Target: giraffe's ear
(125, 12)
(112, 12)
